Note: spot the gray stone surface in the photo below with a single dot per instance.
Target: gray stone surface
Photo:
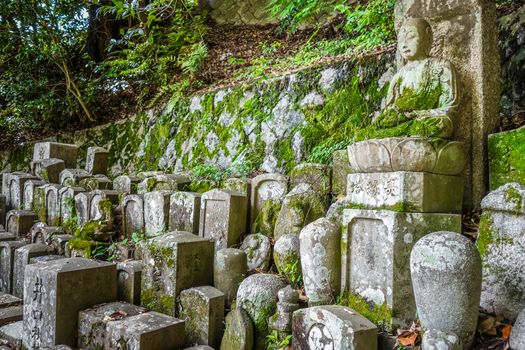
(332, 327)
(158, 182)
(301, 206)
(96, 212)
(341, 169)
(2, 209)
(257, 295)
(11, 314)
(258, 249)
(147, 331)
(319, 176)
(129, 281)
(66, 152)
(223, 217)
(48, 169)
(184, 213)
(320, 246)
(230, 268)
(410, 191)
(54, 293)
(7, 262)
(19, 222)
(29, 193)
(12, 333)
(287, 257)
(447, 259)
(97, 159)
(92, 322)
(173, 262)
(502, 250)
(132, 214)
(438, 340)
(126, 184)
(58, 242)
(376, 255)
(517, 336)
(52, 204)
(66, 197)
(82, 206)
(288, 303)
(266, 187)
(238, 332)
(97, 182)
(465, 34)
(22, 257)
(156, 212)
(202, 308)
(14, 188)
(72, 177)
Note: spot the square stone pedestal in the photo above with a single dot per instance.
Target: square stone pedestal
(376, 246)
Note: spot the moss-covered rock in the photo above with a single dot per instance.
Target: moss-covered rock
(507, 158)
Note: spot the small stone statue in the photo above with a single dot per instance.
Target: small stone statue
(281, 321)
(424, 90)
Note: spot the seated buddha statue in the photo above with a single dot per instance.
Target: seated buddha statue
(423, 96)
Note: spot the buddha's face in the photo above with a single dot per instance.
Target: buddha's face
(413, 43)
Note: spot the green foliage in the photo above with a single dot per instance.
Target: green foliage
(369, 24)
(274, 341)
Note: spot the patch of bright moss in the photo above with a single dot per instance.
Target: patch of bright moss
(265, 220)
(513, 196)
(507, 158)
(156, 301)
(486, 234)
(380, 315)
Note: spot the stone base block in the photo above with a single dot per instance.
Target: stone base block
(376, 246)
(407, 191)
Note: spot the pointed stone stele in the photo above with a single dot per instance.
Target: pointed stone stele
(97, 161)
(332, 327)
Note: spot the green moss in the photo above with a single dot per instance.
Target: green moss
(107, 209)
(380, 315)
(513, 196)
(156, 301)
(84, 246)
(507, 158)
(265, 220)
(486, 234)
(87, 231)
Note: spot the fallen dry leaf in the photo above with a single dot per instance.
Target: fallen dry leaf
(505, 332)
(409, 340)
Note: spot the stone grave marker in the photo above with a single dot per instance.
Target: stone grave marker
(97, 182)
(173, 262)
(258, 249)
(223, 217)
(230, 268)
(99, 211)
(72, 177)
(265, 188)
(129, 280)
(238, 332)
(156, 212)
(52, 204)
(83, 206)
(6, 191)
(341, 169)
(16, 189)
(48, 169)
(66, 198)
(7, 261)
(65, 152)
(319, 176)
(97, 161)
(29, 193)
(126, 184)
(185, 212)
(203, 310)
(146, 331)
(93, 322)
(500, 244)
(320, 244)
(19, 222)
(55, 292)
(161, 182)
(132, 214)
(332, 327)
(22, 257)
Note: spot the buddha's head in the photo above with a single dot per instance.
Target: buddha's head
(415, 39)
